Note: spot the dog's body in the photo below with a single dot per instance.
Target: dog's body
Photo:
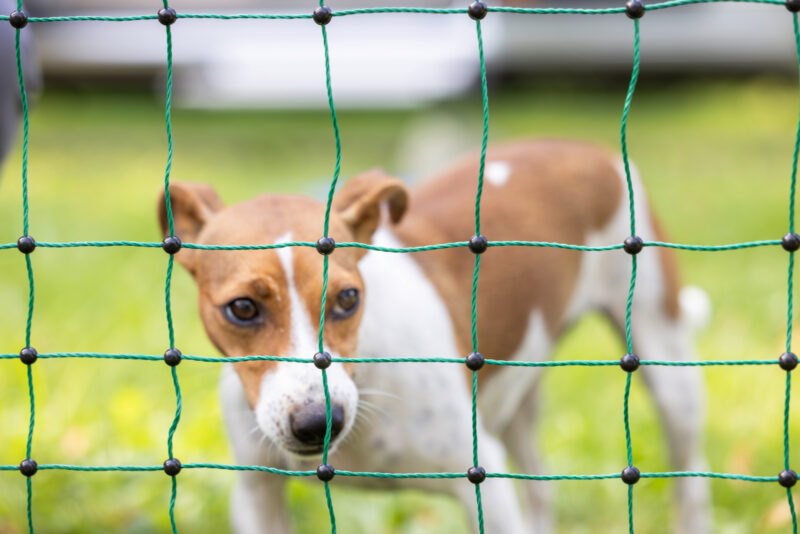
(419, 415)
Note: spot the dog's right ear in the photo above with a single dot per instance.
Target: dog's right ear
(360, 199)
(192, 206)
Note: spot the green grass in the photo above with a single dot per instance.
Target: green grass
(715, 157)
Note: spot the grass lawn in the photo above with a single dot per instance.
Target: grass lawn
(715, 156)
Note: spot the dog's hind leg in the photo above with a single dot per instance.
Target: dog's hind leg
(659, 332)
(522, 444)
(678, 395)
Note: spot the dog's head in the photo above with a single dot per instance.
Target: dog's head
(267, 302)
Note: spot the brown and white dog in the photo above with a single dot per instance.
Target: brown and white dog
(382, 305)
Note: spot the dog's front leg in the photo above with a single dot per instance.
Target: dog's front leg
(499, 502)
(258, 505)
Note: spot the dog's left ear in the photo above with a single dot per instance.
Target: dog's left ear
(359, 202)
(192, 206)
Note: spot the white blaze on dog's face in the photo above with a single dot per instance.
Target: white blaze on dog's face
(267, 302)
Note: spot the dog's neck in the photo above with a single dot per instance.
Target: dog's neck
(404, 313)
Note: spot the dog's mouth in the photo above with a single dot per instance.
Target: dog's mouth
(306, 451)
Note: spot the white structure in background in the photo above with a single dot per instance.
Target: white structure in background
(395, 60)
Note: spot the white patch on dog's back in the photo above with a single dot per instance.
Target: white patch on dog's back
(402, 308)
(404, 316)
(498, 173)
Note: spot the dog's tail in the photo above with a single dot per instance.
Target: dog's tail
(695, 307)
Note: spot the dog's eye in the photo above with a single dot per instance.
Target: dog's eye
(346, 303)
(241, 311)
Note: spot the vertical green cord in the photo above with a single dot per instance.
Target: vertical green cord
(30, 509)
(28, 266)
(326, 225)
(475, 377)
(25, 125)
(628, 446)
(28, 485)
(168, 120)
(790, 292)
(485, 135)
(320, 338)
(797, 136)
(337, 168)
(630, 508)
(172, 497)
(29, 369)
(629, 303)
(786, 421)
(629, 306)
(474, 303)
(168, 300)
(168, 282)
(474, 317)
(173, 426)
(321, 347)
(329, 502)
(624, 126)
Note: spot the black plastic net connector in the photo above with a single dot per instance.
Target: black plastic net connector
(18, 19)
(634, 9)
(633, 245)
(28, 355)
(28, 467)
(787, 478)
(629, 363)
(172, 357)
(631, 475)
(325, 245)
(171, 244)
(26, 244)
(790, 242)
(478, 244)
(788, 361)
(325, 472)
(477, 10)
(172, 467)
(476, 474)
(322, 360)
(793, 5)
(167, 16)
(475, 361)
(322, 15)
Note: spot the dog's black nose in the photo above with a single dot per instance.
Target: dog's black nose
(308, 423)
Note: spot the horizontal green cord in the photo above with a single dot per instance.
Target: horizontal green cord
(512, 363)
(425, 248)
(368, 474)
(384, 10)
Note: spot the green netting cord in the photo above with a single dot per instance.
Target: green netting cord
(484, 141)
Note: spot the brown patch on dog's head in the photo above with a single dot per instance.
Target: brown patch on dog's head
(224, 277)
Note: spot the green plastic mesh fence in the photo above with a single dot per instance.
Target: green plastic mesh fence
(634, 9)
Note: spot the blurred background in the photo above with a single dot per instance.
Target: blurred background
(712, 130)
